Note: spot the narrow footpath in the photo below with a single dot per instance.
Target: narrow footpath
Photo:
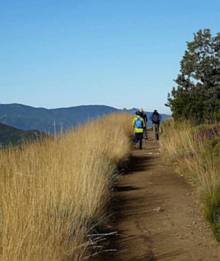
(158, 216)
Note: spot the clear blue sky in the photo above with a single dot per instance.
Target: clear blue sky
(123, 53)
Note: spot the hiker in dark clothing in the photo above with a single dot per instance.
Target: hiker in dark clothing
(156, 118)
(143, 115)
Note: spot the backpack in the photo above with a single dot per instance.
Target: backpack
(156, 118)
(139, 123)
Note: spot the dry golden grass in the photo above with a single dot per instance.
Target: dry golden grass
(189, 155)
(53, 192)
(194, 158)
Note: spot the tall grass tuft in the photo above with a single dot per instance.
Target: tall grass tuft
(53, 192)
(195, 154)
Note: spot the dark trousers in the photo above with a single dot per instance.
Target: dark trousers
(138, 138)
(156, 130)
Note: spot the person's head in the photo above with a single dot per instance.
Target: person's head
(155, 111)
(138, 112)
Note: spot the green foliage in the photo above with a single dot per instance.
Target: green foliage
(197, 94)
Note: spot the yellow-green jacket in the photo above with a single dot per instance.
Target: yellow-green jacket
(138, 130)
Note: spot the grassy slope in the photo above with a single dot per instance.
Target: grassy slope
(195, 153)
(54, 192)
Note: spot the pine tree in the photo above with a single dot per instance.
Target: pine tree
(197, 94)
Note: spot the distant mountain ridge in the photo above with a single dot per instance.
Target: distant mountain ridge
(50, 120)
(53, 120)
(13, 136)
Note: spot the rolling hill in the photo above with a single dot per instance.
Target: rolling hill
(13, 136)
(49, 120)
(53, 120)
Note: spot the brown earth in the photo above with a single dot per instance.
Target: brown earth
(157, 214)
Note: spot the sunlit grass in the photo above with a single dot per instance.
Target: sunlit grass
(194, 153)
(52, 191)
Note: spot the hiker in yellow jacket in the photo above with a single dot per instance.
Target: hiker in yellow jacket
(138, 126)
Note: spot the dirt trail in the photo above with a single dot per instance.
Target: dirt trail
(158, 217)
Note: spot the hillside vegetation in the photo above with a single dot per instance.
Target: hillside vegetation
(55, 192)
(194, 147)
(13, 136)
(194, 152)
(196, 96)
